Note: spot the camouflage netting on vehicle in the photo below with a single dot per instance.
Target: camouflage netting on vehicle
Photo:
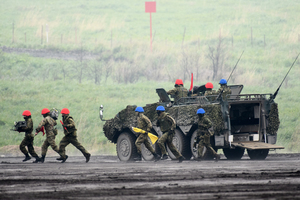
(273, 119)
(183, 115)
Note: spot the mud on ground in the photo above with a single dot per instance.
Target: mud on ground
(104, 177)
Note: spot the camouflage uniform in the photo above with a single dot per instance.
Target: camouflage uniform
(28, 139)
(167, 126)
(143, 123)
(203, 136)
(48, 123)
(70, 137)
(226, 91)
(210, 94)
(179, 91)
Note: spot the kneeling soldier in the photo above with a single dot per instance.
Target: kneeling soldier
(70, 137)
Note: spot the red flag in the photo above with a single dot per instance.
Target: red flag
(63, 124)
(42, 130)
(191, 83)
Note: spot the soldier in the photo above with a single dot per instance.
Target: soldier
(209, 93)
(28, 139)
(145, 124)
(224, 89)
(203, 135)
(48, 123)
(167, 126)
(70, 137)
(179, 91)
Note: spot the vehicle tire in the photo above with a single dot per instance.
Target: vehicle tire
(146, 154)
(126, 149)
(234, 154)
(182, 144)
(206, 155)
(258, 154)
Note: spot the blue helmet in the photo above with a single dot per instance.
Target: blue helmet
(223, 81)
(160, 108)
(200, 111)
(139, 109)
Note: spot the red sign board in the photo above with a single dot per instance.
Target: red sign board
(150, 6)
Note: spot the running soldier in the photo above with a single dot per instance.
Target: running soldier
(70, 137)
(48, 123)
(179, 91)
(167, 126)
(203, 135)
(224, 89)
(28, 139)
(144, 123)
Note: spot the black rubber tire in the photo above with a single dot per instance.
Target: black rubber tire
(146, 154)
(126, 149)
(234, 154)
(182, 143)
(259, 154)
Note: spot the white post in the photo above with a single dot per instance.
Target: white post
(47, 32)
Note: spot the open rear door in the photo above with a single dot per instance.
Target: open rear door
(163, 95)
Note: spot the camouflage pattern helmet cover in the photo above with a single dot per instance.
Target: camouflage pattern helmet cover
(139, 109)
(26, 113)
(45, 111)
(200, 111)
(160, 108)
(223, 81)
(65, 111)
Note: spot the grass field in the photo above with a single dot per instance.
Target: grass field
(186, 35)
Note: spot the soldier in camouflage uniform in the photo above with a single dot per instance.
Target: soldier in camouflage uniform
(167, 126)
(48, 123)
(28, 139)
(145, 124)
(203, 135)
(179, 91)
(210, 93)
(224, 89)
(70, 137)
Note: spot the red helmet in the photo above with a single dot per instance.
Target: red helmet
(65, 111)
(26, 113)
(178, 82)
(209, 85)
(45, 111)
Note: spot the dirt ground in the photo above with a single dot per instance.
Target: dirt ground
(104, 177)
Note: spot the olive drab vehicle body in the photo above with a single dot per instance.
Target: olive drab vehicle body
(241, 122)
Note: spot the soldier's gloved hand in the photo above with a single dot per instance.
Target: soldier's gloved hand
(65, 125)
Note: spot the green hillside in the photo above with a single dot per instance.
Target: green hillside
(98, 52)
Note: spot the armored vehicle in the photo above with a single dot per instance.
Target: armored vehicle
(240, 122)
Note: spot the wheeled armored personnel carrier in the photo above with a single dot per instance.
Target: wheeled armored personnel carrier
(240, 122)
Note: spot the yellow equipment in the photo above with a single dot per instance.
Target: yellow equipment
(152, 137)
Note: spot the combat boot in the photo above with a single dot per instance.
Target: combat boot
(217, 158)
(37, 159)
(64, 159)
(42, 159)
(60, 158)
(138, 158)
(156, 157)
(164, 157)
(180, 159)
(27, 157)
(87, 158)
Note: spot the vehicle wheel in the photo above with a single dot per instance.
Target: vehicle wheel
(234, 154)
(206, 155)
(126, 149)
(147, 155)
(182, 143)
(259, 154)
